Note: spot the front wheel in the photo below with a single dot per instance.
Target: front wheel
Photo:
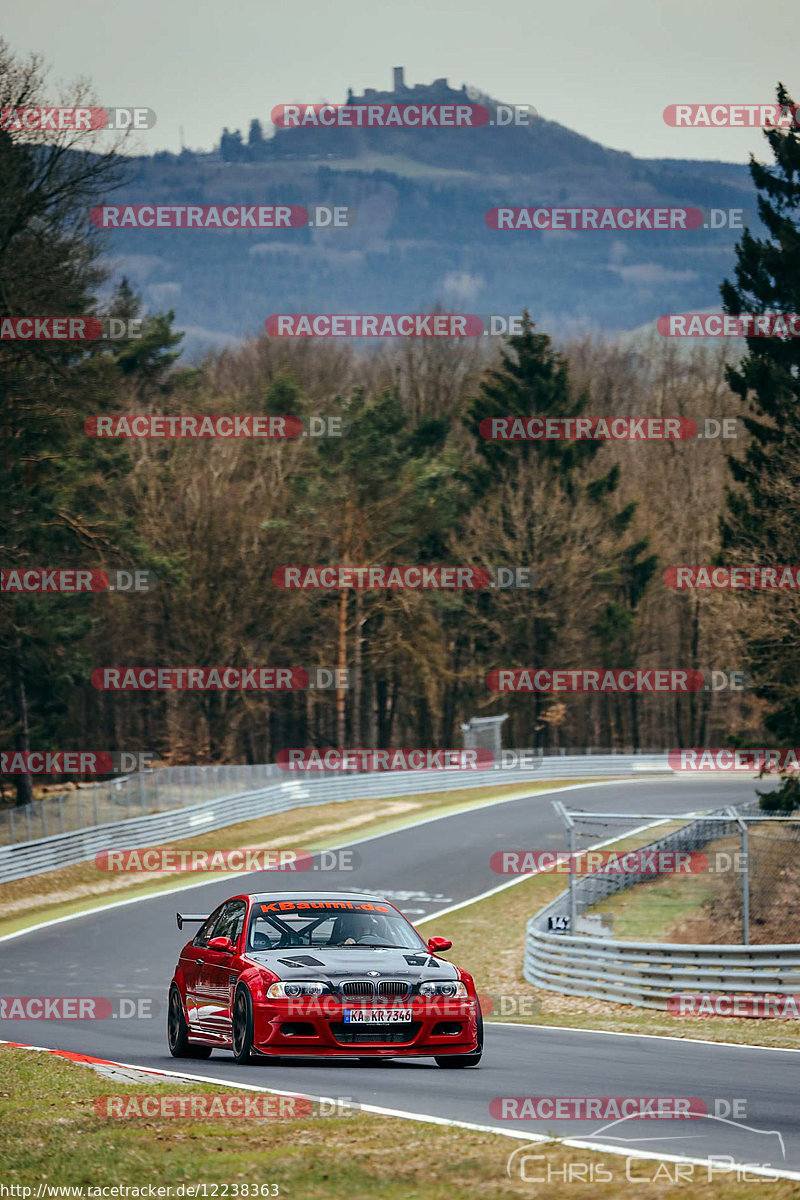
(178, 1031)
(454, 1061)
(242, 1026)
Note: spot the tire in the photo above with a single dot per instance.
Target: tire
(242, 1027)
(453, 1062)
(178, 1030)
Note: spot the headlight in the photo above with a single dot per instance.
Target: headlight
(290, 991)
(450, 989)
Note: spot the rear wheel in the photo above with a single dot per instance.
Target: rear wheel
(178, 1030)
(454, 1061)
(242, 1026)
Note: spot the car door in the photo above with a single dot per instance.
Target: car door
(217, 974)
(193, 962)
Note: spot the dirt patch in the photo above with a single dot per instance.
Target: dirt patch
(774, 891)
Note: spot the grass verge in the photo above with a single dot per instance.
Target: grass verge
(51, 1135)
(648, 911)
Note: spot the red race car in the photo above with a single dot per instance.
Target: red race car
(319, 973)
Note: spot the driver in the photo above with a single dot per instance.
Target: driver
(353, 927)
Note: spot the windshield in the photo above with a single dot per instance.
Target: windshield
(282, 924)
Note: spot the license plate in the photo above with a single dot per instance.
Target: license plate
(376, 1016)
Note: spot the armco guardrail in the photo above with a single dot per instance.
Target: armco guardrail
(168, 788)
(64, 849)
(646, 974)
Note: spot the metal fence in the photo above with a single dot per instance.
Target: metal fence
(235, 801)
(646, 974)
(588, 890)
(773, 901)
(158, 790)
(166, 789)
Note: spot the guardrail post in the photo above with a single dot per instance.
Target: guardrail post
(572, 893)
(745, 885)
(745, 875)
(562, 812)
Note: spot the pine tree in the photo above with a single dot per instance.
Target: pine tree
(59, 501)
(231, 146)
(533, 380)
(148, 359)
(755, 530)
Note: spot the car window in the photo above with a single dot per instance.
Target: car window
(231, 920)
(279, 926)
(206, 930)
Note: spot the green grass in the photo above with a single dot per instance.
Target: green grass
(650, 911)
(51, 1134)
(647, 911)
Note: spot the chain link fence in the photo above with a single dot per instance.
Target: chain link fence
(773, 862)
(151, 791)
(751, 885)
(163, 789)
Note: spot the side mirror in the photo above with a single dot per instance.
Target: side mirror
(223, 944)
(437, 945)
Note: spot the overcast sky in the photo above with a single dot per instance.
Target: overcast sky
(605, 68)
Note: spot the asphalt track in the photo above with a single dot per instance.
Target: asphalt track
(130, 951)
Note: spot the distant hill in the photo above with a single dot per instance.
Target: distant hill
(419, 237)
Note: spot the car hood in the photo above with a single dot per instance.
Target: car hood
(334, 966)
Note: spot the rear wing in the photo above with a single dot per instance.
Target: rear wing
(198, 917)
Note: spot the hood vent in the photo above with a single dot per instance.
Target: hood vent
(420, 960)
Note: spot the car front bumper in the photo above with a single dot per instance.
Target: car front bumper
(317, 1026)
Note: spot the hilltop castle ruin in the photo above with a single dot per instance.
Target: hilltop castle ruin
(438, 91)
